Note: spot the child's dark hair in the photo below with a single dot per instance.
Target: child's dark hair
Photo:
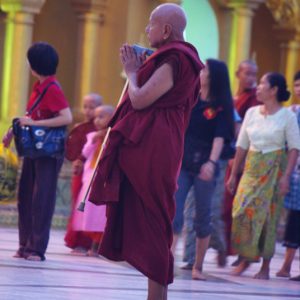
(297, 76)
(43, 59)
(278, 80)
(219, 90)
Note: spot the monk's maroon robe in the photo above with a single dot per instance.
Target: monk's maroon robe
(244, 101)
(137, 174)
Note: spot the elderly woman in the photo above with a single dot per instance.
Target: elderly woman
(266, 131)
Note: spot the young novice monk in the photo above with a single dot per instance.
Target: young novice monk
(77, 240)
(92, 221)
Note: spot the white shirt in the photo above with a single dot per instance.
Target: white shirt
(266, 133)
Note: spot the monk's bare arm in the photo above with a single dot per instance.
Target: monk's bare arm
(158, 84)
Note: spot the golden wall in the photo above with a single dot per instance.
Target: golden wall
(61, 23)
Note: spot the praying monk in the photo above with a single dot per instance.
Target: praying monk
(243, 100)
(137, 173)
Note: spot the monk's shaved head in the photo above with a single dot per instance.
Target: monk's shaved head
(247, 74)
(247, 62)
(173, 15)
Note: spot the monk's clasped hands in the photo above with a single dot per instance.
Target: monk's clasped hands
(130, 60)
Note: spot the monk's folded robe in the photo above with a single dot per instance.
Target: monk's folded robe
(138, 170)
(244, 101)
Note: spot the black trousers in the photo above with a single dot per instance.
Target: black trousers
(292, 230)
(36, 202)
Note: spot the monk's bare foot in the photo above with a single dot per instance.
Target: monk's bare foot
(78, 251)
(241, 268)
(197, 275)
(92, 253)
(283, 273)
(262, 274)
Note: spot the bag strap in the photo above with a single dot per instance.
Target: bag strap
(39, 98)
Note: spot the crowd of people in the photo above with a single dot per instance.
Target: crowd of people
(181, 155)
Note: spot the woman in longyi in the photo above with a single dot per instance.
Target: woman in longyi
(266, 131)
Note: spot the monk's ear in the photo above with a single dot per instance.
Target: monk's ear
(167, 31)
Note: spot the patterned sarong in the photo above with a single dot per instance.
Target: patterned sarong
(257, 205)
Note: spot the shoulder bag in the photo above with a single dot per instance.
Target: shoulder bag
(39, 141)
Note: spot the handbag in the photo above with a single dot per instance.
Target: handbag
(39, 141)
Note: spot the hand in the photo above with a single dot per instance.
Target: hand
(231, 184)
(284, 185)
(26, 121)
(130, 60)
(77, 167)
(207, 171)
(6, 140)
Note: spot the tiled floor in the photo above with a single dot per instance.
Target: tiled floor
(66, 277)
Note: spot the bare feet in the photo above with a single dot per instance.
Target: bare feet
(241, 268)
(187, 266)
(283, 273)
(262, 274)
(92, 253)
(79, 251)
(197, 275)
(19, 254)
(35, 257)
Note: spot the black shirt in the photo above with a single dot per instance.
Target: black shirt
(206, 123)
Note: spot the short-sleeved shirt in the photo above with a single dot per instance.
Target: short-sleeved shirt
(269, 133)
(52, 102)
(207, 123)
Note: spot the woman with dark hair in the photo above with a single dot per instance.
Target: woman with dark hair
(265, 132)
(211, 124)
(37, 186)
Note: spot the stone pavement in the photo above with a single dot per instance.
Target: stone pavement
(67, 277)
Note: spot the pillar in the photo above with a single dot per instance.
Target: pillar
(90, 17)
(240, 37)
(18, 38)
(289, 39)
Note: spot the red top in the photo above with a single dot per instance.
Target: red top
(244, 101)
(52, 102)
(137, 174)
